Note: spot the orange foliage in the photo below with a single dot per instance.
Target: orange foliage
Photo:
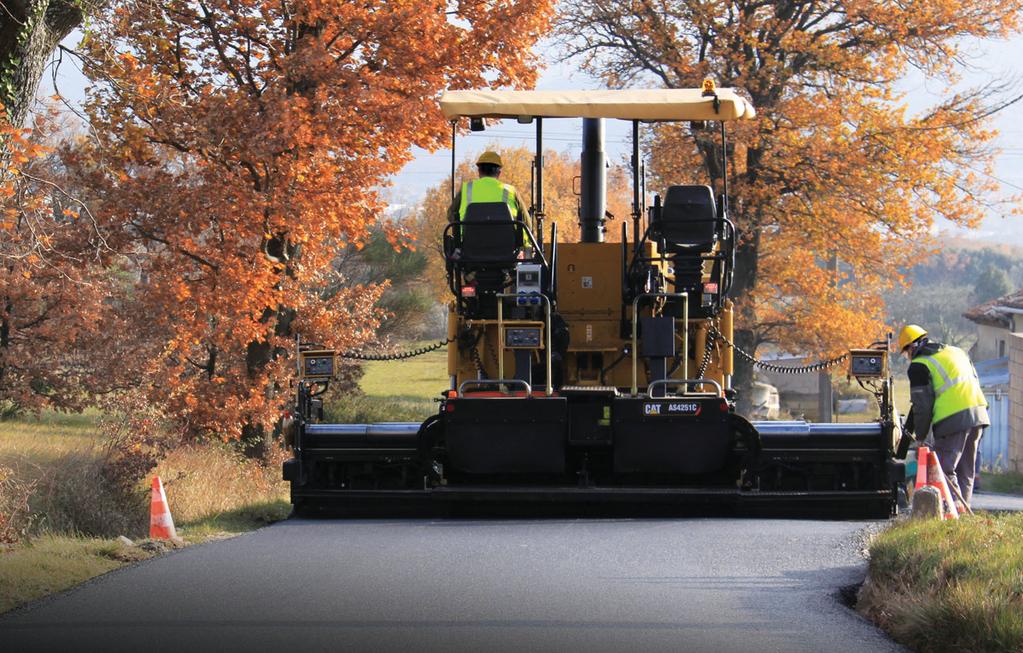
(238, 147)
(834, 162)
(561, 204)
(51, 283)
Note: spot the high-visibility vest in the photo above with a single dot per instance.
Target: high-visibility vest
(954, 381)
(488, 189)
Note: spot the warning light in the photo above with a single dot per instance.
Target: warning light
(710, 288)
(468, 291)
(709, 87)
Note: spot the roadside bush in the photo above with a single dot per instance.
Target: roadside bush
(15, 515)
(136, 439)
(75, 497)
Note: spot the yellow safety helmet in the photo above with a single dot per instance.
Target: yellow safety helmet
(910, 334)
(493, 158)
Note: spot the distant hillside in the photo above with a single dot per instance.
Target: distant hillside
(961, 274)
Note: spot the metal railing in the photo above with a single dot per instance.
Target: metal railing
(635, 332)
(549, 390)
(666, 382)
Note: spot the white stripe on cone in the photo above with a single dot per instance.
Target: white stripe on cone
(162, 520)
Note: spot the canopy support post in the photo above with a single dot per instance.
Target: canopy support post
(454, 124)
(538, 212)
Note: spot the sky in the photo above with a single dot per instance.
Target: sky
(994, 60)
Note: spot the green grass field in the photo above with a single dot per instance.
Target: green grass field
(394, 391)
(1007, 483)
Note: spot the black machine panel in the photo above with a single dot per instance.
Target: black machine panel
(504, 435)
(679, 435)
(317, 364)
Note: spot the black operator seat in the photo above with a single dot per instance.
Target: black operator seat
(489, 236)
(688, 221)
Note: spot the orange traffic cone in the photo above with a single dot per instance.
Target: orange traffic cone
(936, 478)
(922, 456)
(161, 525)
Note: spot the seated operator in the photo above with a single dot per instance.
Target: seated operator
(488, 188)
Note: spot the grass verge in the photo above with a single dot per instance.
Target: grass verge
(53, 563)
(70, 533)
(949, 585)
(1006, 483)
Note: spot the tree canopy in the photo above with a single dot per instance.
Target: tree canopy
(237, 147)
(834, 162)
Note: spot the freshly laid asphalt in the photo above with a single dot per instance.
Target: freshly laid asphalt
(564, 585)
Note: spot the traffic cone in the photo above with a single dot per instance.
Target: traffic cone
(161, 525)
(936, 478)
(922, 457)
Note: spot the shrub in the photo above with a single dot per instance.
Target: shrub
(76, 497)
(15, 515)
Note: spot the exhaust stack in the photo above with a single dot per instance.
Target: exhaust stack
(593, 190)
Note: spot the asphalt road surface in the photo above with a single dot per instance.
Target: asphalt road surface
(594, 585)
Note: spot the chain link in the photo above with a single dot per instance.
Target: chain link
(708, 350)
(354, 355)
(474, 353)
(819, 366)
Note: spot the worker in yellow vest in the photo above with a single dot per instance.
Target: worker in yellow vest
(948, 402)
(488, 188)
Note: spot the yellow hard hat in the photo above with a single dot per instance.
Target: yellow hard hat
(910, 334)
(492, 158)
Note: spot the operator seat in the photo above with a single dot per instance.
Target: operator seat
(489, 236)
(688, 225)
(485, 250)
(688, 220)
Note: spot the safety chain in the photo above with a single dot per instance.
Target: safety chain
(474, 353)
(819, 366)
(708, 350)
(399, 356)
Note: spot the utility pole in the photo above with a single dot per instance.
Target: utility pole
(825, 393)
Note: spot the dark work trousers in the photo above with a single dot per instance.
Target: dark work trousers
(958, 455)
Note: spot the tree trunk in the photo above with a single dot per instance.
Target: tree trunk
(256, 440)
(30, 31)
(745, 337)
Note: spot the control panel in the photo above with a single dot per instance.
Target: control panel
(318, 364)
(523, 337)
(527, 278)
(868, 363)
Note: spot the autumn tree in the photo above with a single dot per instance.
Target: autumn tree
(561, 204)
(54, 281)
(834, 163)
(238, 148)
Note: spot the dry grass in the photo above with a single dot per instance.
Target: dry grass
(212, 485)
(949, 585)
(212, 491)
(29, 446)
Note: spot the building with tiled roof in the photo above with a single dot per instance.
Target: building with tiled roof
(995, 320)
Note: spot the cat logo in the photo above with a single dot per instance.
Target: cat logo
(651, 409)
